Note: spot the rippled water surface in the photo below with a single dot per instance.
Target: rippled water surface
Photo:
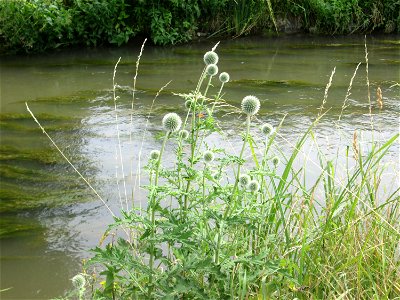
(49, 218)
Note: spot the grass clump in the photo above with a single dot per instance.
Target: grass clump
(247, 222)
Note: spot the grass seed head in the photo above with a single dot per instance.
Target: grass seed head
(379, 97)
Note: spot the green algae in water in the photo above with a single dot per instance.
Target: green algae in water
(45, 157)
(268, 83)
(81, 97)
(13, 226)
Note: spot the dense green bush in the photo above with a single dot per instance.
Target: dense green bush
(168, 22)
(99, 21)
(36, 25)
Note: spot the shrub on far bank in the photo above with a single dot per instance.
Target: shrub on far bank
(38, 25)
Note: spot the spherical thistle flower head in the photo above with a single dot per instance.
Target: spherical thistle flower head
(78, 281)
(154, 154)
(253, 186)
(267, 129)
(250, 105)
(184, 134)
(208, 156)
(212, 70)
(171, 122)
(244, 179)
(275, 160)
(224, 77)
(211, 58)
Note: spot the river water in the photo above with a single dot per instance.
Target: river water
(49, 218)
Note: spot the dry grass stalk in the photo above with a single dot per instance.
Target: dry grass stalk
(368, 86)
(379, 97)
(68, 161)
(326, 92)
(355, 145)
(344, 106)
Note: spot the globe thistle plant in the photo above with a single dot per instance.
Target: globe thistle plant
(253, 186)
(211, 58)
(244, 180)
(78, 281)
(154, 154)
(184, 134)
(250, 105)
(212, 70)
(208, 156)
(224, 77)
(267, 129)
(171, 122)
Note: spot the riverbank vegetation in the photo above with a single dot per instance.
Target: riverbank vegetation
(38, 25)
(250, 221)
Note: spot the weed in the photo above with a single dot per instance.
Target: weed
(227, 224)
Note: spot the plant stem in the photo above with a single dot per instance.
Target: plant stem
(153, 214)
(233, 198)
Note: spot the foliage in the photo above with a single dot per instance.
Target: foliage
(225, 224)
(34, 25)
(99, 21)
(37, 25)
(168, 22)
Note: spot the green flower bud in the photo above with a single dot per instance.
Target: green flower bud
(208, 156)
(154, 154)
(253, 186)
(188, 104)
(267, 129)
(244, 180)
(275, 160)
(184, 134)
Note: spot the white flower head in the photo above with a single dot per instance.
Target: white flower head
(250, 105)
(208, 156)
(267, 129)
(211, 58)
(253, 186)
(224, 77)
(154, 154)
(244, 180)
(212, 70)
(78, 281)
(171, 122)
